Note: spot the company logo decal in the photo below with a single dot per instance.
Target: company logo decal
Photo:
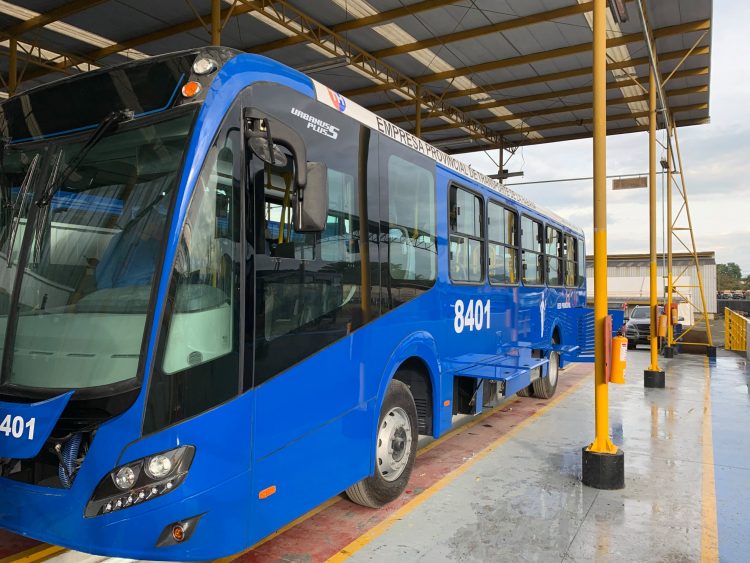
(317, 124)
(338, 100)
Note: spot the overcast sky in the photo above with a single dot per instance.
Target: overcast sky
(716, 159)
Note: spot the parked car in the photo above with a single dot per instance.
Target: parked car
(638, 327)
(738, 295)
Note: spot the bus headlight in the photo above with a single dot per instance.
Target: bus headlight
(140, 481)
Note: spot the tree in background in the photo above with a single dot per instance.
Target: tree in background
(728, 276)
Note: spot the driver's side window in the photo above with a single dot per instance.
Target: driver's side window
(199, 356)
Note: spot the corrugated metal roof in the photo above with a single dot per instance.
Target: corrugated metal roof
(514, 69)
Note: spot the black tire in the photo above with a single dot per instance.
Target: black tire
(545, 387)
(378, 490)
(631, 345)
(526, 391)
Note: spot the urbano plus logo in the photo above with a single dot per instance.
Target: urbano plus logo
(338, 100)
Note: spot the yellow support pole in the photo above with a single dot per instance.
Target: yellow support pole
(670, 281)
(653, 376)
(12, 67)
(602, 442)
(602, 463)
(216, 22)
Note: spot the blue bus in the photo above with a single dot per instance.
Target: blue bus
(228, 294)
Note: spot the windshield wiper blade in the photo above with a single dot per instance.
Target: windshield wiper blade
(18, 205)
(43, 213)
(104, 127)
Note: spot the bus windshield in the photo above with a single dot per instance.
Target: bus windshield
(88, 254)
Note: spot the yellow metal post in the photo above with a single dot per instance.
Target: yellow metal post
(670, 281)
(12, 67)
(602, 442)
(216, 22)
(654, 338)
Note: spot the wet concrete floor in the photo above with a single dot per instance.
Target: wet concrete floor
(687, 463)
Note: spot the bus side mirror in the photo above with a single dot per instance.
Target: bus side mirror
(311, 202)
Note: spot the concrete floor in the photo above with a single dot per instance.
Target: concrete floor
(507, 487)
(524, 500)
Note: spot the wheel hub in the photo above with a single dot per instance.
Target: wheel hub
(394, 444)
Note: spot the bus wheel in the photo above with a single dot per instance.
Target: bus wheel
(525, 392)
(395, 450)
(545, 387)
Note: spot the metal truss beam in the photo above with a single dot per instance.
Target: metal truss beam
(537, 79)
(577, 107)
(575, 123)
(284, 14)
(375, 19)
(558, 94)
(499, 27)
(570, 137)
(700, 25)
(139, 40)
(56, 14)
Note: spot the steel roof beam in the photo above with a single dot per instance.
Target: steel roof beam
(573, 136)
(543, 96)
(577, 107)
(56, 14)
(700, 25)
(499, 27)
(150, 37)
(375, 19)
(542, 79)
(574, 123)
(284, 14)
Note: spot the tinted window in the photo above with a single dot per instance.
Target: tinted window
(412, 246)
(466, 263)
(570, 251)
(502, 232)
(308, 287)
(581, 260)
(198, 357)
(532, 259)
(554, 251)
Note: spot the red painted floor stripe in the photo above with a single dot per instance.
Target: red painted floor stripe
(11, 544)
(327, 532)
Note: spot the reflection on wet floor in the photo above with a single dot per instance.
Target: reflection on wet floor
(525, 500)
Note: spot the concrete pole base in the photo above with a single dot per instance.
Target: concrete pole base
(654, 379)
(603, 471)
(711, 351)
(668, 351)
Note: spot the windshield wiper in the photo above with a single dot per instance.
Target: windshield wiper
(104, 127)
(15, 218)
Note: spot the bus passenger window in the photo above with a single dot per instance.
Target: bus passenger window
(570, 252)
(412, 249)
(466, 261)
(532, 258)
(554, 251)
(581, 261)
(503, 244)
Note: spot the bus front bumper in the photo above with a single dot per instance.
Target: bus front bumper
(56, 516)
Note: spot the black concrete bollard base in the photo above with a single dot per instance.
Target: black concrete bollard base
(668, 352)
(711, 351)
(603, 471)
(654, 379)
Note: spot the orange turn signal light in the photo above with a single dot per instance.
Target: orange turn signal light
(178, 533)
(191, 89)
(267, 492)
(446, 403)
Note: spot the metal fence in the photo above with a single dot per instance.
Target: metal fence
(735, 331)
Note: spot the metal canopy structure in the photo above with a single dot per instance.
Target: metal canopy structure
(465, 75)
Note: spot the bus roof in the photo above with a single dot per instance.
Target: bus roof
(346, 106)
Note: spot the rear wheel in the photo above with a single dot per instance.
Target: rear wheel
(395, 450)
(545, 387)
(631, 345)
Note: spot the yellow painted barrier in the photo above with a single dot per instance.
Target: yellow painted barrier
(735, 331)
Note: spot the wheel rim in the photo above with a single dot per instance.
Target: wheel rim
(554, 366)
(394, 444)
